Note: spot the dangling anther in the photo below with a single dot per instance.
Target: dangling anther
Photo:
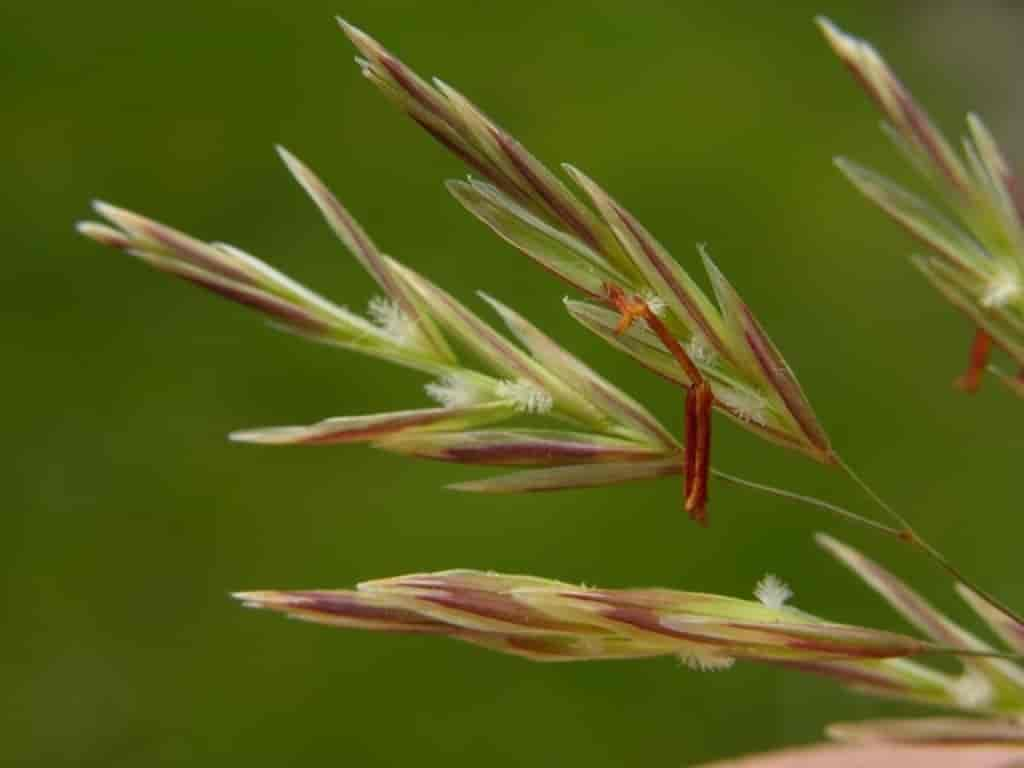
(697, 451)
(699, 401)
(981, 348)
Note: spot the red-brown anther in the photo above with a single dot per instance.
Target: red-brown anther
(981, 348)
(698, 451)
(699, 401)
(689, 446)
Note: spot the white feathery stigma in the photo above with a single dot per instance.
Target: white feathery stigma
(389, 317)
(526, 396)
(772, 592)
(746, 404)
(699, 350)
(1003, 287)
(705, 661)
(654, 302)
(972, 691)
(454, 391)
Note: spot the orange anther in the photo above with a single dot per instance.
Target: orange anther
(981, 348)
(699, 401)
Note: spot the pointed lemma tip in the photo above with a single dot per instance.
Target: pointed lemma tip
(290, 160)
(468, 486)
(456, 186)
(825, 541)
(963, 590)
(250, 599)
(493, 302)
(444, 88)
(359, 38)
(266, 599)
(833, 34)
(580, 178)
(570, 169)
(825, 24)
(247, 436)
(105, 209)
(103, 234)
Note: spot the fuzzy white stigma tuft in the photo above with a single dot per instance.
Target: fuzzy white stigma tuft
(654, 302)
(772, 592)
(389, 317)
(454, 391)
(700, 351)
(972, 691)
(746, 404)
(1002, 288)
(705, 661)
(526, 396)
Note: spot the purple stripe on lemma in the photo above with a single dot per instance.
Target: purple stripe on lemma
(479, 165)
(640, 617)
(352, 605)
(256, 299)
(649, 621)
(523, 163)
(190, 250)
(904, 599)
(926, 135)
(1016, 192)
(848, 673)
(491, 605)
(894, 646)
(411, 84)
(535, 453)
(775, 371)
(379, 428)
(371, 257)
(1015, 629)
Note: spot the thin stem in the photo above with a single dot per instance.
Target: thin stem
(957, 574)
(846, 514)
(901, 521)
(910, 535)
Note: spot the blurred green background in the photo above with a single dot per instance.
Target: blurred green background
(129, 517)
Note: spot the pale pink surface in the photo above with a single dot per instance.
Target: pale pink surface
(882, 756)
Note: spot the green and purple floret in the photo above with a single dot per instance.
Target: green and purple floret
(977, 264)
(546, 620)
(719, 354)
